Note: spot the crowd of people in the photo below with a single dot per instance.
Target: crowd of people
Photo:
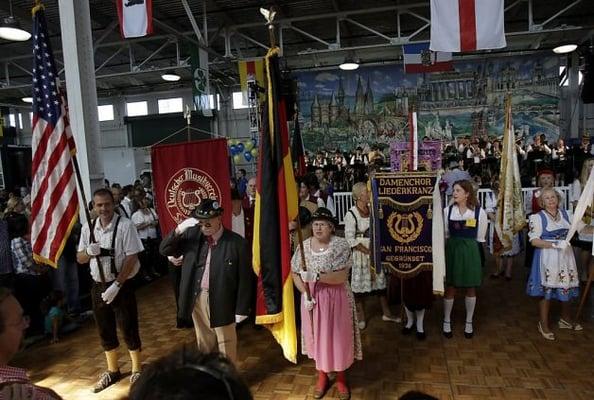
(210, 265)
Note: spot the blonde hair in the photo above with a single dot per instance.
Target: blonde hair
(546, 190)
(588, 164)
(358, 188)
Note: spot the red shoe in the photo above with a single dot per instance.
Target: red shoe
(322, 386)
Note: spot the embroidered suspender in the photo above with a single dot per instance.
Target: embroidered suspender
(109, 252)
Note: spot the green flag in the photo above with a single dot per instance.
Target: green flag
(200, 80)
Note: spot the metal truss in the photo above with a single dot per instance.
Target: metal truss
(233, 34)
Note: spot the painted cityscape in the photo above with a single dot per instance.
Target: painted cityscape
(340, 109)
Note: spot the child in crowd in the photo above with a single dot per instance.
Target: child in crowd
(54, 317)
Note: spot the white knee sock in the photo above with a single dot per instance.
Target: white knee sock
(448, 304)
(420, 315)
(470, 303)
(410, 317)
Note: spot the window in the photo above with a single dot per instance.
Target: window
(239, 102)
(11, 120)
(31, 118)
(170, 105)
(136, 108)
(20, 121)
(105, 112)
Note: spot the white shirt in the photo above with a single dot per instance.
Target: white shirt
(127, 243)
(238, 223)
(483, 222)
(329, 203)
(139, 217)
(127, 204)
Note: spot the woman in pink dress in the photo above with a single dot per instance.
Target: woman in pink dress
(329, 332)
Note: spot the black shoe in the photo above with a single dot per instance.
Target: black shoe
(468, 335)
(134, 376)
(421, 336)
(107, 379)
(407, 331)
(448, 335)
(508, 278)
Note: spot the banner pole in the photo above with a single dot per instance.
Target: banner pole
(87, 214)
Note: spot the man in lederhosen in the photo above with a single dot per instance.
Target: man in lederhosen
(115, 245)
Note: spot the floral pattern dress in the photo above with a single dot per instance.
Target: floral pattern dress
(329, 333)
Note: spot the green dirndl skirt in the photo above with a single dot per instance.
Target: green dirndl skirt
(463, 263)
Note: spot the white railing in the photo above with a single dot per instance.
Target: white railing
(343, 201)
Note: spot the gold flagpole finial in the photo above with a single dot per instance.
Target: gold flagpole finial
(38, 6)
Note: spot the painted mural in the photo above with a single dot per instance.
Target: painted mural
(340, 109)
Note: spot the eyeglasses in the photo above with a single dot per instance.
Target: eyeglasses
(320, 224)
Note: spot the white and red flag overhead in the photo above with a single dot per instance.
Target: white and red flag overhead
(136, 17)
(467, 25)
(54, 204)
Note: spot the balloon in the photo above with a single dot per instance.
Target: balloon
(237, 158)
(249, 145)
(254, 152)
(233, 149)
(255, 142)
(240, 147)
(248, 156)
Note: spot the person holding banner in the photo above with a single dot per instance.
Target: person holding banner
(216, 282)
(364, 280)
(115, 245)
(329, 329)
(554, 273)
(466, 229)
(584, 241)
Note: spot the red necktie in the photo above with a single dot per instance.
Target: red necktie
(210, 241)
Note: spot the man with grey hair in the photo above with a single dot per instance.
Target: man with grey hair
(14, 383)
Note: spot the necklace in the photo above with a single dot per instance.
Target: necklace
(553, 216)
(319, 247)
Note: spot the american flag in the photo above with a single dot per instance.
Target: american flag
(54, 204)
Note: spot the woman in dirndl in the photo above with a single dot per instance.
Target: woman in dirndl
(553, 275)
(365, 281)
(466, 229)
(329, 332)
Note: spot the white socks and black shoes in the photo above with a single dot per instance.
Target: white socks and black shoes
(410, 319)
(420, 314)
(470, 303)
(448, 304)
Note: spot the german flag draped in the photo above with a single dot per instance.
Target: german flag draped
(276, 205)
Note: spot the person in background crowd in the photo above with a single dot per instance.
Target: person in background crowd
(147, 184)
(126, 201)
(241, 181)
(184, 373)
(453, 175)
(584, 242)
(14, 383)
(54, 317)
(365, 281)
(237, 216)
(16, 205)
(320, 161)
(119, 207)
(248, 203)
(330, 335)
(216, 282)
(65, 277)
(466, 224)
(6, 267)
(554, 274)
(503, 260)
(321, 198)
(145, 220)
(115, 250)
(31, 280)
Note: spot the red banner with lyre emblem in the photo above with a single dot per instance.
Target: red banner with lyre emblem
(184, 174)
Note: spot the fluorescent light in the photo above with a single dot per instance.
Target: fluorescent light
(11, 30)
(566, 48)
(171, 77)
(27, 99)
(348, 65)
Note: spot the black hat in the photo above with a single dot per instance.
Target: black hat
(208, 208)
(323, 213)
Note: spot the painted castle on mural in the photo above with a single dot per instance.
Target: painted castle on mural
(371, 105)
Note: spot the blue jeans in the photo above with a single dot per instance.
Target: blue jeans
(65, 279)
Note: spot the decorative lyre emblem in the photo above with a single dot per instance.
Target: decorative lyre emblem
(405, 227)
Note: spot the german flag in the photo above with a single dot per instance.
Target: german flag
(251, 70)
(276, 205)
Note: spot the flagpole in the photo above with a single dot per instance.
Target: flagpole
(87, 215)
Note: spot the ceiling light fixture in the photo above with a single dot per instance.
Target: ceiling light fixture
(10, 29)
(170, 77)
(27, 99)
(349, 64)
(565, 48)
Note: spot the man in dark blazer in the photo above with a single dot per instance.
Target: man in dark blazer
(215, 289)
